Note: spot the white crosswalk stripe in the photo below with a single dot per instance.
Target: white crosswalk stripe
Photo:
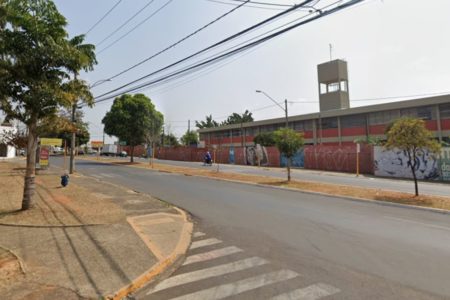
(207, 277)
(203, 243)
(248, 284)
(210, 272)
(211, 255)
(312, 292)
(198, 234)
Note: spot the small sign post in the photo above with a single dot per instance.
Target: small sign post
(358, 150)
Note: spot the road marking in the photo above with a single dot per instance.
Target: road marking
(311, 292)
(203, 243)
(231, 289)
(198, 234)
(419, 223)
(211, 255)
(209, 272)
(107, 175)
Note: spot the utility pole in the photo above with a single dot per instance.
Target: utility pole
(286, 112)
(331, 52)
(189, 125)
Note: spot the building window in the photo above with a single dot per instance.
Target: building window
(268, 128)
(329, 123)
(424, 113)
(383, 117)
(353, 121)
(344, 86)
(333, 87)
(445, 110)
(299, 126)
(323, 88)
(236, 132)
(251, 131)
(308, 125)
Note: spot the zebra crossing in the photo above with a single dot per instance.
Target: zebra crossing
(213, 270)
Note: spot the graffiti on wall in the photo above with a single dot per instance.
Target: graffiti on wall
(255, 153)
(444, 163)
(394, 163)
(297, 161)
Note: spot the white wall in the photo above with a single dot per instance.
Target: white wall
(11, 151)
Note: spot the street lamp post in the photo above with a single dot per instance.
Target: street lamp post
(285, 109)
(288, 162)
(74, 135)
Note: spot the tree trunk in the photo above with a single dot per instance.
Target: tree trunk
(29, 185)
(132, 154)
(288, 165)
(416, 187)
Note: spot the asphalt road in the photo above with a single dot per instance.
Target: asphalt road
(400, 185)
(291, 243)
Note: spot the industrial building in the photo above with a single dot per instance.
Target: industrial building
(337, 123)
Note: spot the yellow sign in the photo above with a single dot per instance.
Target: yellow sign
(51, 142)
(96, 144)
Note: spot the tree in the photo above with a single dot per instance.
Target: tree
(170, 140)
(36, 59)
(209, 123)
(265, 139)
(236, 118)
(411, 136)
(190, 138)
(288, 143)
(61, 126)
(131, 119)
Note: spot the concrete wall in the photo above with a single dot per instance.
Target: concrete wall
(394, 163)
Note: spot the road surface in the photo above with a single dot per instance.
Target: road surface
(256, 243)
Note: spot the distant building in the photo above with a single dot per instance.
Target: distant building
(337, 123)
(6, 151)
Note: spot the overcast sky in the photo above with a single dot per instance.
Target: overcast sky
(394, 48)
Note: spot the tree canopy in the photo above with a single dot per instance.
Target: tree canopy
(288, 142)
(236, 118)
(190, 138)
(61, 126)
(411, 136)
(170, 140)
(209, 123)
(36, 63)
(265, 139)
(131, 119)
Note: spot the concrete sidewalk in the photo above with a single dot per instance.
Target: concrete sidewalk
(73, 247)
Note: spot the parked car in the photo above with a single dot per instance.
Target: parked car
(123, 154)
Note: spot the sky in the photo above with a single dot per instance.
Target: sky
(394, 49)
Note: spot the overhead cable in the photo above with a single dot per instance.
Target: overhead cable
(104, 16)
(235, 51)
(135, 27)
(232, 37)
(178, 42)
(126, 22)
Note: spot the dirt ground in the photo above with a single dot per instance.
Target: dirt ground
(332, 189)
(54, 205)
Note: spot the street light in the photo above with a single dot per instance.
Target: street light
(74, 107)
(285, 109)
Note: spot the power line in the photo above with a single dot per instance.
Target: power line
(135, 27)
(104, 16)
(251, 28)
(233, 52)
(179, 41)
(251, 6)
(265, 3)
(125, 23)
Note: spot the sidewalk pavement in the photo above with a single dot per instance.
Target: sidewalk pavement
(87, 241)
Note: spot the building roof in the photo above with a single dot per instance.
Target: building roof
(340, 112)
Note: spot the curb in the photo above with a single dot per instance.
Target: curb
(378, 202)
(162, 265)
